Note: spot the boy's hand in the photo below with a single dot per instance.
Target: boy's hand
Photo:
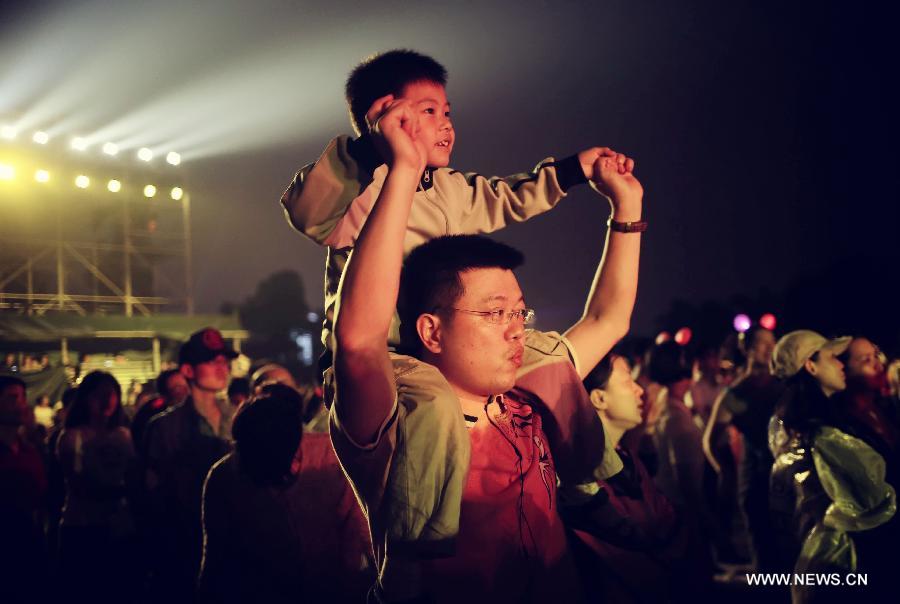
(394, 127)
(611, 177)
(589, 157)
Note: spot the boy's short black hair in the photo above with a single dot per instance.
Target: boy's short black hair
(430, 279)
(387, 73)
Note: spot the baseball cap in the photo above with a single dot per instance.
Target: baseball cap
(795, 348)
(204, 346)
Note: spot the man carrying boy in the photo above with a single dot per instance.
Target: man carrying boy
(520, 391)
(328, 201)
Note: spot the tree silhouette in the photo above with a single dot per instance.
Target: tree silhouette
(275, 314)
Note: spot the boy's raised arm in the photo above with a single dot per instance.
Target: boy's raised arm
(607, 315)
(368, 292)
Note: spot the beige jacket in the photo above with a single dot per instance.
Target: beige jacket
(328, 201)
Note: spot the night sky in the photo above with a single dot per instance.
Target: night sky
(764, 133)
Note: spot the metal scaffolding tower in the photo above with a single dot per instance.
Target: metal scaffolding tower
(93, 251)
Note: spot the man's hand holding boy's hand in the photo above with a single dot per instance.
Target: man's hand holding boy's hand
(612, 175)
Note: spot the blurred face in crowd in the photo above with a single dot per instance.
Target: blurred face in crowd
(13, 405)
(828, 370)
(619, 402)
(211, 376)
(761, 347)
(178, 388)
(103, 402)
(864, 359)
(276, 374)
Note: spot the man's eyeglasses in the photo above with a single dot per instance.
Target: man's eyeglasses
(502, 317)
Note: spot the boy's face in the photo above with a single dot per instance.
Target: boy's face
(435, 128)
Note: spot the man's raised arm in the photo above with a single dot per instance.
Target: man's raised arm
(607, 315)
(365, 388)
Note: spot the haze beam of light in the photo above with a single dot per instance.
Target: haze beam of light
(213, 77)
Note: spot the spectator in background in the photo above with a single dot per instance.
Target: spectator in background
(172, 389)
(828, 488)
(43, 412)
(96, 454)
(275, 527)
(679, 449)
(183, 443)
(238, 391)
(9, 362)
(747, 405)
(893, 377)
(23, 488)
(706, 386)
(315, 414)
(56, 482)
(865, 408)
(626, 540)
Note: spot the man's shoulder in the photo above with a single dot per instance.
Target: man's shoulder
(546, 350)
(168, 422)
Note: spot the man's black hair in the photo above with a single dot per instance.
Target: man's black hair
(430, 281)
(387, 73)
(267, 431)
(239, 386)
(162, 382)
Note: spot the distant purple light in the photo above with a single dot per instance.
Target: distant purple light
(742, 323)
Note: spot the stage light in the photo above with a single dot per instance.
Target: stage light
(42, 176)
(741, 323)
(79, 144)
(82, 181)
(173, 158)
(114, 186)
(7, 172)
(145, 154)
(176, 193)
(110, 148)
(40, 137)
(149, 191)
(683, 336)
(8, 132)
(662, 337)
(768, 321)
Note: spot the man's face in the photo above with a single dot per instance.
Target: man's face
(864, 359)
(178, 388)
(622, 396)
(829, 372)
(429, 100)
(480, 358)
(211, 376)
(762, 347)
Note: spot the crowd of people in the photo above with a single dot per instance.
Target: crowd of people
(450, 453)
